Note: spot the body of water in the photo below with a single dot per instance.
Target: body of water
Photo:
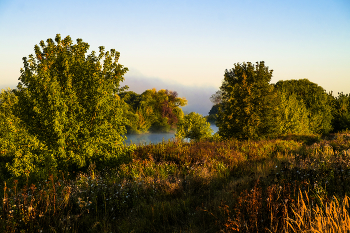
(154, 138)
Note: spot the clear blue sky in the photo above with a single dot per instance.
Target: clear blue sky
(189, 43)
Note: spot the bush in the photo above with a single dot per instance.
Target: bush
(193, 126)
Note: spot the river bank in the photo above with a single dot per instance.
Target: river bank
(154, 138)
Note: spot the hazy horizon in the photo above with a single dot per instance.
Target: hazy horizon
(187, 45)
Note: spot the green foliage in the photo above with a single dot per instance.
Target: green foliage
(341, 112)
(315, 99)
(216, 99)
(134, 124)
(155, 111)
(20, 152)
(249, 106)
(213, 113)
(193, 126)
(294, 118)
(69, 103)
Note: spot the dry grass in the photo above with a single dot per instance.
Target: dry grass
(227, 186)
(333, 217)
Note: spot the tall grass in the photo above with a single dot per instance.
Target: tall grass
(207, 186)
(333, 217)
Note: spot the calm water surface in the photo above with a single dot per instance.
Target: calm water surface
(154, 138)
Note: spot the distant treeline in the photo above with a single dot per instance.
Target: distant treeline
(248, 106)
(154, 111)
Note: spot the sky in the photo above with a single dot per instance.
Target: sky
(187, 45)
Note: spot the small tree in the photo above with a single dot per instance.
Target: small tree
(193, 126)
(249, 107)
(70, 103)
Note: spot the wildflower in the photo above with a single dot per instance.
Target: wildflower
(30, 209)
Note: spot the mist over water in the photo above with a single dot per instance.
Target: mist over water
(198, 96)
(154, 138)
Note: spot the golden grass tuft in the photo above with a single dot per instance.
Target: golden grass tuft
(332, 218)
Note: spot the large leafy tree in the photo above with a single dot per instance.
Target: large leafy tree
(316, 100)
(249, 103)
(69, 101)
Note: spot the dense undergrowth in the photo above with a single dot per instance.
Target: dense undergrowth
(286, 184)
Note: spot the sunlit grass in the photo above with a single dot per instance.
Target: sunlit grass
(309, 217)
(207, 186)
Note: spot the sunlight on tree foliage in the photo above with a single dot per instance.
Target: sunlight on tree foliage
(155, 111)
(18, 149)
(316, 100)
(68, 101)
(249, 105)
(294, 118)
(193, 126)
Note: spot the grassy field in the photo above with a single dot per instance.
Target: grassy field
(287, 184)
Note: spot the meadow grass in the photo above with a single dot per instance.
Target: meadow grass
(287, 184)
